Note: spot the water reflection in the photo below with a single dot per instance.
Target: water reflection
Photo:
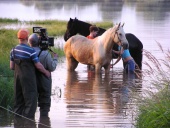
(6, 118)
(44, 122)
(156, 11)
(103, 10)
(99, 100)
(20, 122)
(122, 87)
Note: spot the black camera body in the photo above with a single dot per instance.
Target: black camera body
(44, 40)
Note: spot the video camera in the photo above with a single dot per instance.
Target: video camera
(44, 40)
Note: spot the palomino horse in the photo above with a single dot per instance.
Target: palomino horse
(95, 52)
(75, 26)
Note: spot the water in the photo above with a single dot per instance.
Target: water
(93, 101)
(82, 99)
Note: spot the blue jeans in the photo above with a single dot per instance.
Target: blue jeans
(130, 66)
(129, 69)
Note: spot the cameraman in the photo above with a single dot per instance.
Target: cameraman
(44, 84)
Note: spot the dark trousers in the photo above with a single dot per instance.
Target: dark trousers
(44, 93)
(25, 89)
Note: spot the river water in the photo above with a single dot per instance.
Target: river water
(82, 99)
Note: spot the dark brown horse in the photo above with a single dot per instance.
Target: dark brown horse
(75, 26)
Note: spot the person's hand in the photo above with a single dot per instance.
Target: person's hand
(48, 74)
(55, 55)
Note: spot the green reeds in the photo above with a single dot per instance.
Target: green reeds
(7, 41)
(54, 27)
(7, 20)
(154, 103)
(154, 112)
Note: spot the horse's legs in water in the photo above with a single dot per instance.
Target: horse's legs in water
(107, 69)
(71, 64)
(98, 68)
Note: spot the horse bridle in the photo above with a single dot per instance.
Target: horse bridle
(118, 36)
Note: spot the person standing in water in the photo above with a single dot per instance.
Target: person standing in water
(24, 61)
(44, 84)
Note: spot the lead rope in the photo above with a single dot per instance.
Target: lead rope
(23, 116)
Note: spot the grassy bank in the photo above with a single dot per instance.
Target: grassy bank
(54, 27)
(8, 39)
(154, 104)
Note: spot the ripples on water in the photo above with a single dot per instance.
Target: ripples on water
(83, 99)
(93, 101)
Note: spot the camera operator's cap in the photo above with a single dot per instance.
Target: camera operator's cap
(23, 34)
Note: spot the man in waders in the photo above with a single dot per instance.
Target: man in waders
(24, 60)
(44, 84)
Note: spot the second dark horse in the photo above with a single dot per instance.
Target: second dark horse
(75, 26)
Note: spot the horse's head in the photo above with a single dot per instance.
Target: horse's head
(71, 29)
(75, 26)
(120, 37)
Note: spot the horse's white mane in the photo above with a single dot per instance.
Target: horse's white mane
(108, 31)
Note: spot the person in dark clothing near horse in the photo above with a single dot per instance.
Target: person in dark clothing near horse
(44, 84)
(23, 60)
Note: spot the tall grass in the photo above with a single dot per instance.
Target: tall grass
(154, 104)
(7, 20)
(105, 25)
(7, 41)
(54, 27)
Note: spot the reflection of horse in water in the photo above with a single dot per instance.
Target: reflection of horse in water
(86, 93)
(94, 97)
(75, 26)
(77, 89)
(95, 52)
(123, 88)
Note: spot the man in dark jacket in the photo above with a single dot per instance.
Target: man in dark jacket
(44, 84)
